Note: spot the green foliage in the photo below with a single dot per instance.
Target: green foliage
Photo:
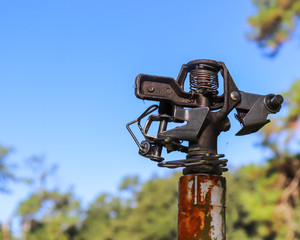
(155, 215)
(49, 215)
(274, 22)
(149, 213)
(251, 201)
(8, 171)
(130, 183)
(105, 217)
(263, 200)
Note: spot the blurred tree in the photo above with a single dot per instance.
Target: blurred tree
(105, 218)
(7, 171)
(252, 199)
(155, 214)
(149, 212)
(130, 183)
(263, 200)
(274, 23)
(5, 231)
(48, 214)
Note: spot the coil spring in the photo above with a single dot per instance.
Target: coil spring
(206, 163)
(204, 80)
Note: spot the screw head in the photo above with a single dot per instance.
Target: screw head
(168, 91)
(235, 96)
(150, 89)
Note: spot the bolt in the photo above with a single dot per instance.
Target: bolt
(276, 101)
(168, 90)
(273, 102)
(235, 96)
(150, 89)
(144, 148)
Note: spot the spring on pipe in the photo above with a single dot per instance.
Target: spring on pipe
(200, 163)
(204, 80)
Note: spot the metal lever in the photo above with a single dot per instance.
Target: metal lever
(194, 117)
(253, 110)
(148, 111)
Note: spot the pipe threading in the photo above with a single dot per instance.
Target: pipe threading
(204, 80)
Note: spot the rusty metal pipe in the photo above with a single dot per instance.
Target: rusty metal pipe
(201, 207)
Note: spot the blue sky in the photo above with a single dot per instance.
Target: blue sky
(67, 71)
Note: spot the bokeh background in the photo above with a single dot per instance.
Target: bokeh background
(70, 170)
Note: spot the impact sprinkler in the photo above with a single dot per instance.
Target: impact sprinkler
(202, 189)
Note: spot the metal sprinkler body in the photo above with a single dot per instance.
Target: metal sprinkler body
(202, 189)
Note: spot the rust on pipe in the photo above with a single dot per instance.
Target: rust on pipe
(201, 207)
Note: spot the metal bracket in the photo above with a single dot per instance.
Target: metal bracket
(254, 109)
(194, 117)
